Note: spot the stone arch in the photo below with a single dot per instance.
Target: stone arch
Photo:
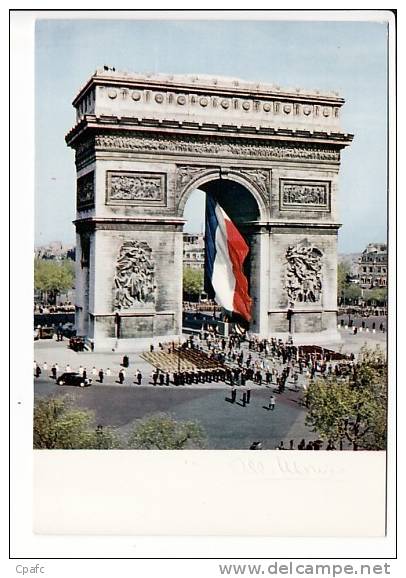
(198, 176)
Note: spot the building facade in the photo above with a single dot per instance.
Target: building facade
(193, 250)
(373, 266)
(270, 157)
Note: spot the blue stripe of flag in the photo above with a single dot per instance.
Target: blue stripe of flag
(210, 248)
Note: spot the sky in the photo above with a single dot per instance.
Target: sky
(350, 57)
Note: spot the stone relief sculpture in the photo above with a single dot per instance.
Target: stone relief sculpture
(85, 192)
(185, 174)
(303, 274)
(132, 186)
(134, 281)
(221, 146)
(259, 177)
(305, 194)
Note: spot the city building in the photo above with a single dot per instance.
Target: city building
(373, 266)
(55, 250)
(193, 250)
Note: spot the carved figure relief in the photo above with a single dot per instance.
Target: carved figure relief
(308, 195)
(303, 273)
(134, 281)
(205, 145)
(85, 192)
(130, 188)
(185, 174)
(258, 177)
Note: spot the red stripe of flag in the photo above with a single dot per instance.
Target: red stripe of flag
(238, 250)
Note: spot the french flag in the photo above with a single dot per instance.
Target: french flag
(226, 251)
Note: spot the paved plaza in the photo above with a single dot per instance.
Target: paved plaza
(227, 425)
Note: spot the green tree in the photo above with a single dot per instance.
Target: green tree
(377, 295)
(53, 277)
(352, 409)
(192, 282)
(162, 432)
(343, 271)
(351, 292)
(57, 425)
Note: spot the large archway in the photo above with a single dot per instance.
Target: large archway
(142, 143)
(243, 208)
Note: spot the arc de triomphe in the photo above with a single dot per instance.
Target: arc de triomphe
(271, 156)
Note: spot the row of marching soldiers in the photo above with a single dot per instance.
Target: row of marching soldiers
(233, 376)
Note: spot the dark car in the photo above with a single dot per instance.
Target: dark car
(68, 330)
(73, 378)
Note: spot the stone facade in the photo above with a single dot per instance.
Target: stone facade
(373, 266)
(144, 143)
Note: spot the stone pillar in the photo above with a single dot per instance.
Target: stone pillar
(303, 286)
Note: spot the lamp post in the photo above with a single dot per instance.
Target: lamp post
(179, 356)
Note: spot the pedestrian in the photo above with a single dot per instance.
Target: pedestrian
(121, 376)
(233, 395)
(94, 371)
(45, 366)
(330, 445)
(248, 395)
(161, 379)
(272, 402)
(84, 374)
(281, 446)
(37, 370)
(101, 375)
(139, 377)
(126, 361)
(154, 377)
(302, 445)
(309, 446)
(167, 379)
(244, 398)
(53, 371)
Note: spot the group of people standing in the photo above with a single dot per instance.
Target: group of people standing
(95, 374)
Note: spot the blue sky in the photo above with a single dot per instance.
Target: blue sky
(350, 57)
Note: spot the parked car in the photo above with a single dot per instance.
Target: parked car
(68, 330)
(46, 332)
(73, 378)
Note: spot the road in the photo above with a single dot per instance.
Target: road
(227, 425)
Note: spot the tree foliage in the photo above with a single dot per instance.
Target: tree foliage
(162, 432)
(351, 292)
(352, 408)
(57, 425)
(376, 295)
(193, 280)
(343, 271)
(346, 290)
(53, 276)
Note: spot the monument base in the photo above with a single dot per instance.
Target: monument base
(322, 338)
(131, 345)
